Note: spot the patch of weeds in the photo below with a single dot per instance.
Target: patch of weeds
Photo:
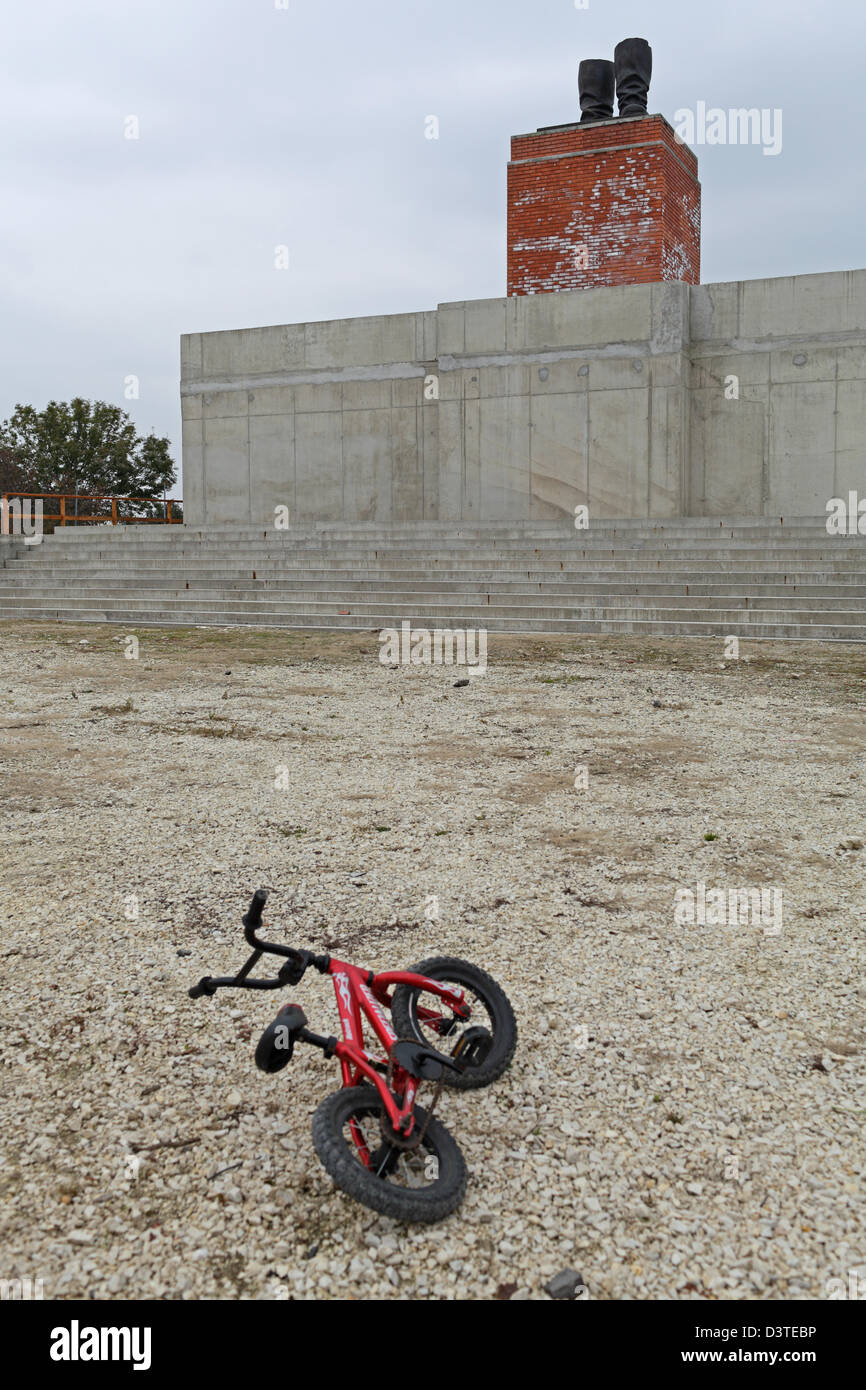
(562, 680)
(710, 836)
(220, 727)
(127, 708)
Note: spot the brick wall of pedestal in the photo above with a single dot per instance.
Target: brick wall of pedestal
(616, 202)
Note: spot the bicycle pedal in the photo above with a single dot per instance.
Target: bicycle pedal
(473, 1048)
(277, 1043)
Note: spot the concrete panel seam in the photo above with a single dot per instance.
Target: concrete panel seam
(452, 363)
(720, 347)
(836, 426)
(388, 371)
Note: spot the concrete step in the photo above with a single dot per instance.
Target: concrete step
(668, 626)
(266, 551)
(849, 572)
(852, 571)
(455, 531)
(462, 610)
(281, 596)
(326, 587)
(433, 533)
(567, 544)
(263, 559)
(817, 596)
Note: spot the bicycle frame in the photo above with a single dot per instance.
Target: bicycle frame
(361, 994)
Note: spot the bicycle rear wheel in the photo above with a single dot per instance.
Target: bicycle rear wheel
(491, 1010)
(424, 1184)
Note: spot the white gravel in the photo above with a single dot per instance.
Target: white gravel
(684, 1117)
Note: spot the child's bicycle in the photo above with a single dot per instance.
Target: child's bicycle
(375, 1140)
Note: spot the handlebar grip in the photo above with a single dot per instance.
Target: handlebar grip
(253, 918)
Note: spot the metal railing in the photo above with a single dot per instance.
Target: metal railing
(78, 508)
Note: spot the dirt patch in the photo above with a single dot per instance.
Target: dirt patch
(394, 818)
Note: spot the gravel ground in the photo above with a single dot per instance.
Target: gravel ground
(684, 1115)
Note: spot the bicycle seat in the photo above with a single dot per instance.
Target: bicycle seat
(277, 1043)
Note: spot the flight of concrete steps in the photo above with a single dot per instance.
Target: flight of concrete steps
(749, 577)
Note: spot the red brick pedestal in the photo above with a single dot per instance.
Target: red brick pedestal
(616, 202)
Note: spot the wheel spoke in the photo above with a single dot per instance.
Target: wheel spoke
(428, 1021)
(415, 1168)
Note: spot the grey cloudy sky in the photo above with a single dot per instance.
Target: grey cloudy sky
(305, 126)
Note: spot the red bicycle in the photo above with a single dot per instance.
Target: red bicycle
(378, 1144)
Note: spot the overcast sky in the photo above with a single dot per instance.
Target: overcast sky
(304, 126)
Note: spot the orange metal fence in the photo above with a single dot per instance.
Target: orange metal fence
(79, 510)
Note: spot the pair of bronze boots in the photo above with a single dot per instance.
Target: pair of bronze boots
(629, 75)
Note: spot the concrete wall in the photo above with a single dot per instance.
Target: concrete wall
(797, 434)
(616, 398)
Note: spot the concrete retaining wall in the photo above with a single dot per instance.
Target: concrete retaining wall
(524, 408)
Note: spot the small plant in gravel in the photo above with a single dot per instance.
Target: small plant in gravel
(127, 708)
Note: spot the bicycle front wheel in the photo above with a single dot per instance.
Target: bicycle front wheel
(424, 1184)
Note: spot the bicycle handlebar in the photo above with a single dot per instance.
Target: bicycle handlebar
(290, 973)
(253, 918)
